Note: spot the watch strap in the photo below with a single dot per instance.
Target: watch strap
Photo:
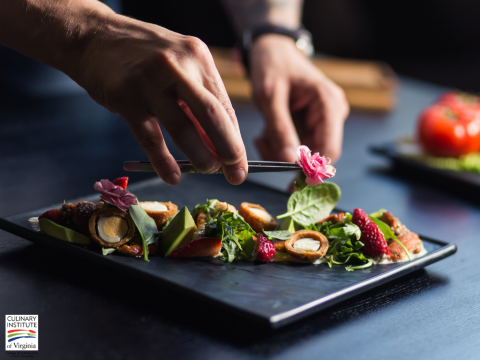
(301, 36)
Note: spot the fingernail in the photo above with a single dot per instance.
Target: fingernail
(173, 179)
(237, 176)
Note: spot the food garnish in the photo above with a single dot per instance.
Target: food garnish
(265, 249)
(308, 232)
(115, 195)
(122, 182)
(315, 167)
(372, 238)
(161, 212)
(179, 232)
(258, 218)
(111, 227)
(307, 245)
(201, 247)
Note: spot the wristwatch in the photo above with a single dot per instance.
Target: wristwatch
(301, 36)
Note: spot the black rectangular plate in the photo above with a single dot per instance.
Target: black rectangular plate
(460, 183)
(272, 293)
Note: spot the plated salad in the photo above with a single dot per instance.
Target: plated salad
(448, 134)
(307, 232)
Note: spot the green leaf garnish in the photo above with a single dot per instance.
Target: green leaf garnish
(236, 234)
(364, 266)
(145, 225)
(312, 204)
(278, 234)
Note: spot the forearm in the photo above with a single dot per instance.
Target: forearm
(54, 32)
(247, 14)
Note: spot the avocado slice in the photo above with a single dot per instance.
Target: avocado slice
(62, 233)
(179, 232)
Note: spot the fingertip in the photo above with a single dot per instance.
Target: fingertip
(172, 179)
(237, 177)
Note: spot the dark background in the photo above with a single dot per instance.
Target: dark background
(433, 40)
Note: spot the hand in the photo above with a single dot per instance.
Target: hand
(146, 73)
(299, 103)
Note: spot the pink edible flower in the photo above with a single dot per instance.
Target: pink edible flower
(315, 167)
(115, 195)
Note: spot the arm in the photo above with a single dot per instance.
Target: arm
(143, 72)
(246, 14)
(299, 104)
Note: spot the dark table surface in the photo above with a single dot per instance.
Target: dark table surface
(53, 149)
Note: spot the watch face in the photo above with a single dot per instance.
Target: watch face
(304, 43)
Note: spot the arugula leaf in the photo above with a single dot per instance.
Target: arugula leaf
(352, 268)
(145, 225)
(278, 234)
(344, 246)
(236, 234)
(312, 204)
(388, 234)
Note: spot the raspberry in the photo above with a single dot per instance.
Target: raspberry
(372, 236)
(266, 250)
(261, 237)
(121, 181)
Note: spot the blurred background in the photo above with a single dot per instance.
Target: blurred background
(49, 124)
(432, 40)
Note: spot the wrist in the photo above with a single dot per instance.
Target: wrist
(273, 35)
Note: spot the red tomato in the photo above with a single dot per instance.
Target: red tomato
(457, 100)
(449, 131)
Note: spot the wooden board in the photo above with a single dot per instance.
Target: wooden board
(368, 85)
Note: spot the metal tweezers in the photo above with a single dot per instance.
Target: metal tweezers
(187, 168)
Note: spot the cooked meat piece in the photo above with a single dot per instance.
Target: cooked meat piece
(279, 245)
(410, 240)
(137, 250)
(257, 217)
(303, 252)
(225, 207)
(397, 227)
(201, 222)
(334, 218)
(111, 228)
(202, 217)
(131, 250)
(160, 216)
(67, 210)
(81, 214)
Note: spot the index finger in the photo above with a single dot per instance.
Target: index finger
(217, 124)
